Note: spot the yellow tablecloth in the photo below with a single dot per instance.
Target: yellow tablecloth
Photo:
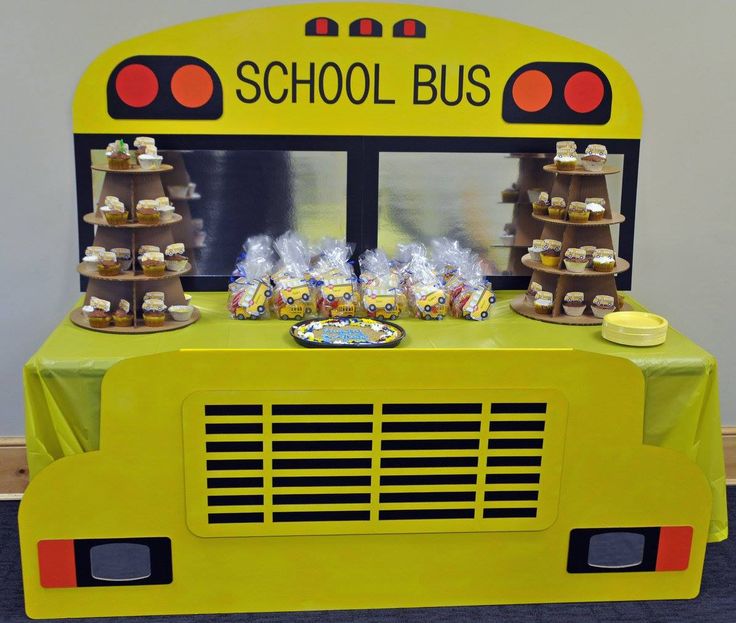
(62, 380)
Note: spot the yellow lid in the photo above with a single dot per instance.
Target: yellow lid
(632, 328)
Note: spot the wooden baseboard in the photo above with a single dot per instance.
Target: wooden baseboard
(14, 467)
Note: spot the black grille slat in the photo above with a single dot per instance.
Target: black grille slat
(321, 481)
(427, 513)
(450, 408)
(440, 461)
(234, 446)
(519, 426)
(519, 407)
(322, 409)
(513, 461)
(515, 444)
(322, 498)
(322, 427)
(430, 444)
(233, 483)
(326, 446)
(223, 464)
(497, 496)
(321, 463)
(492, 479)
(433, 479)
(503, 513)
(430, 427)
(281, 516)
(234, 500)
(233, 429)
(429, 496)
(233, 410)
(235, 518)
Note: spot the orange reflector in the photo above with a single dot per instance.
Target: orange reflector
(57, 566)
(673, 553)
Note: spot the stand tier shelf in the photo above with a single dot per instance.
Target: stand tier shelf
(77, 317)
(575, 185)
(130, 186)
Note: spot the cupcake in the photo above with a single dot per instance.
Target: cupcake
(146, 248)
(543, 302)
(92, 255)
(536, 248)
(604, 260)
(124, 257)
(589, 250)
(122, 316)
(118, 156)
(575, 260)
(114, 211)
(557, 208)
(574, 303)
(577, 212)
(510, 195)
(154, 312)
(107, 264)
(150, 158)
(566, 159)
(541, 204)
(141, 142)
(99, 317)
(595, 157)
(602, 305)
(596, 206)
(147, 212)
(165, 209)
(175, 258)
(550, 254)
(153, 264)
(531, 292)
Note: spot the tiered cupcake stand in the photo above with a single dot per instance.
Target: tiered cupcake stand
(575, 185)
(130, 186)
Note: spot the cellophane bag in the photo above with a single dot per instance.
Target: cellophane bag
(295, 294)
(424, 287)
(382, 297)
(473, 295)
(338, 291)
(250, 289)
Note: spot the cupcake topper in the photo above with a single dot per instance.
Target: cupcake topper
(603, 253)
(153, 256)
(552, 245)
(153, 305)
(124, 305)
(99, 303)
(575, 254)
(148, 248)
(153, 295)
(603, 300)
(577, 206)
(162, 201)
(574, 297)
(175, 249)
(543, 296)
(558, 202)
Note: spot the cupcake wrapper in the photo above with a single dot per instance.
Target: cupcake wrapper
(573, 311)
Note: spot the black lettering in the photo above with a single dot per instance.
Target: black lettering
(443, 85)
(267, 82)
(256, 87)
(429, 83)
(321, 83)
(297, 81)
(377, 89)
(349, 83)
(483, 87)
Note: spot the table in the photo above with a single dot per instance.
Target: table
(62, 380)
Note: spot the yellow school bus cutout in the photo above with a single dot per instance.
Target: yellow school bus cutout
(338, 300)
(382, 305)
(494, 477)
(431, 303)
(477, 305)
(251, 302)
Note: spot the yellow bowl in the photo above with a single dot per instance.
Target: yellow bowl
(632, 328)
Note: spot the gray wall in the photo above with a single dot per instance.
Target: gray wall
(679, 52)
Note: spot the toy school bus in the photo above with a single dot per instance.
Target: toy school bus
(477, 477)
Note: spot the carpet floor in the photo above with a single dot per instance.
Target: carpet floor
(716, 602)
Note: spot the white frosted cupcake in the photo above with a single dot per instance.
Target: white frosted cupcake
(543, 303)
(596, 207)
(150, 158)
(536, 248)
(574, 303)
